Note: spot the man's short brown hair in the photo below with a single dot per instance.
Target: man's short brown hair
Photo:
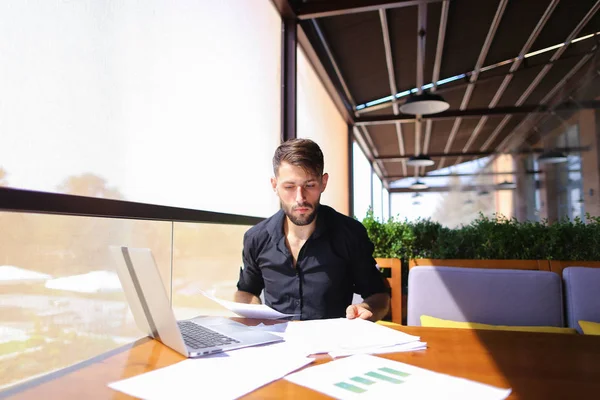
(303, 153)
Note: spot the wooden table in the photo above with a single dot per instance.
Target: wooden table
(534, 365)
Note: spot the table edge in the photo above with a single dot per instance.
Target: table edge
(29, 384)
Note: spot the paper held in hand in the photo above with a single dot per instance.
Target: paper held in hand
(259, 311)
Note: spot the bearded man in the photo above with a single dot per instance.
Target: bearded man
(308, 258)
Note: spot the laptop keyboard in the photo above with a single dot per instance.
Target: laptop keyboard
(199, 337)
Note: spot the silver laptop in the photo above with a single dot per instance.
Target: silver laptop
(153, 314)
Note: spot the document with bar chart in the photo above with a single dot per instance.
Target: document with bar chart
(370, 377)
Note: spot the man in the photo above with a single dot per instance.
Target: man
(308, 258)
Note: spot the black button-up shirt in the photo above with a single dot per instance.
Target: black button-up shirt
(335, 262)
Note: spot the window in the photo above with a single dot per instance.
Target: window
(61, 300)
(377, 197)
(569, 180)
(138, 101)
(361, 173)
(386, 204)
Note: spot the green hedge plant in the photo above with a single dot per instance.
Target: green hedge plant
(495, 237)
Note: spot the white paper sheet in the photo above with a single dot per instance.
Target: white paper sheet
(296, 337)
(369, 377)
(398, 348)
(226, 375)
(259, 311)
(343, 335)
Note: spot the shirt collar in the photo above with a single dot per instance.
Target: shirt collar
(275, 226)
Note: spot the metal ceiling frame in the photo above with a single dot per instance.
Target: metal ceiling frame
(288, 79)
(483, 153)
(330, 8)
(421, 40)
(436, 69)
(313, 10)
(504, 143)
(530, 117)
(508, 77)
(473, 78)
(361, 133)
(528, 172)
(313, 57)
(334, 64)
(547, 98)
(478, 112)
(439, 189)
(392, 80)
(383, 104)
(534, 124)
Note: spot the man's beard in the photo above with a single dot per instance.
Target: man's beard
(301, 220)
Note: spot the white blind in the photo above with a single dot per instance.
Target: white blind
(167, 102)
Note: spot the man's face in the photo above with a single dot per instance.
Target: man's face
(299, 193)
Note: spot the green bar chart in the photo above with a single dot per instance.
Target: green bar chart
(383, 377)
(372, 377)
(350, 387)
(394, 372)
(362, 380)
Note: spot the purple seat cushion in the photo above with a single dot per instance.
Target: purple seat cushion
(582, 295)
(488, 296)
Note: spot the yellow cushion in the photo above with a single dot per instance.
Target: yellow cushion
(433, 322)
(388, 324)
(590, 328)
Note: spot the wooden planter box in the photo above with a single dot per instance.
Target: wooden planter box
(532, 265)
(558, 266)
(398, 302)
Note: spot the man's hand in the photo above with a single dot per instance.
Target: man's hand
(358, 311)
(373, 308)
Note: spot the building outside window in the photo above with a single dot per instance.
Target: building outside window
(569, 180)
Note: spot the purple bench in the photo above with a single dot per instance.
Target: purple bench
(489, 296)
(582, 295)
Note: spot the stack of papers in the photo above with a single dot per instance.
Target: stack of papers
(342, 337)
(234, 373)
(368, 377)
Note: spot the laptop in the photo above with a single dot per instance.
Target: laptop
(153, 314)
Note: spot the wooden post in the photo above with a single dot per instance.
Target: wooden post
(395, 281)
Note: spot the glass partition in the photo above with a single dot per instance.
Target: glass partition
(207, 257)
(61, 301)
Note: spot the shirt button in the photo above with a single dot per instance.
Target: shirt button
(297, 302)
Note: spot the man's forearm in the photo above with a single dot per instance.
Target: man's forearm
(378, 304)
(244, 297)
